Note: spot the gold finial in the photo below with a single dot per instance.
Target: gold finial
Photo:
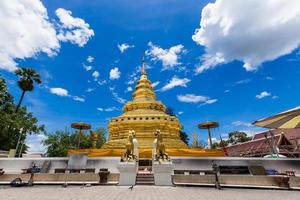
(143, 69)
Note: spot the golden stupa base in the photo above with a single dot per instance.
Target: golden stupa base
(147, 153)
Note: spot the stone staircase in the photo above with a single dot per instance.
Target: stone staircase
(144, 178)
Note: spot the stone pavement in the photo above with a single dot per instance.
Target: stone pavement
(140, 193)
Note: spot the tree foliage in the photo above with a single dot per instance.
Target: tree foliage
(234, 137)
(28, 77)
(59, 142)
(170, 111)
(12, 122)
(237, 137)
(184, 137)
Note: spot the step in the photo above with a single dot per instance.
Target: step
(144, 175)
(144, 178)
(144, 183)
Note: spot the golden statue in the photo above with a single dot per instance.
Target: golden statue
(161, 154)
(128, 156)
(195, 141)
(94, 139)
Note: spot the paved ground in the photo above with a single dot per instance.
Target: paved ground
(140, 193)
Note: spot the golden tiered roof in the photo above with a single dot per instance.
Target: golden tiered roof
(144, 114)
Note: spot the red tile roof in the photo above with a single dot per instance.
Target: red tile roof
(260, 146)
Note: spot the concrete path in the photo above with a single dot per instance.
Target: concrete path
(140, 193)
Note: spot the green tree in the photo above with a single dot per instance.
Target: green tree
(184, 137)
(5, 97)
(237, 137)
(12, 122)
(215, 145)
(28, 77)
(59, 142)
(170, 111)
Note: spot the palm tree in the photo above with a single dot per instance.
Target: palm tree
(28, 77)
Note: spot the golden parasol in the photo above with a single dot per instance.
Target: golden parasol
(80, 126)
(208, 126)
(289, 119)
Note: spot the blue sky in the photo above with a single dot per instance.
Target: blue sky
(256, 76)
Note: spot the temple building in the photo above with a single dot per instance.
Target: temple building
(144, 114)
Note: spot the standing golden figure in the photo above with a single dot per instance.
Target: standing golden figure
(128, 156)
(161, 154)
(94, 139)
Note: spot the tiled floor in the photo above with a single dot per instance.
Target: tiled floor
(140, 193)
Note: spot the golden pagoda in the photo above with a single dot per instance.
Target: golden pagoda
(144, 114)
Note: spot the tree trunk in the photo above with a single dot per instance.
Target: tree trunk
(21, 99)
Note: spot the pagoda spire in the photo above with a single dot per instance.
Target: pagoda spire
(143, 67)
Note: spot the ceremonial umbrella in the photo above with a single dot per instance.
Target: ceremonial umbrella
(80, 126)
(208, 126)
(289, 119)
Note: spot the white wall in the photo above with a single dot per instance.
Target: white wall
(14, 165)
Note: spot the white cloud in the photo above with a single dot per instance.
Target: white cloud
(132, 80)
(226, 91)
(103, 82)
(89, 90)
(111, 109)
(263, 95)
(175, 82)
(80, 99)
(90, 59)
(129, 89)
(123, 47)
(64, 93)
(114, 74)
(168, 57)
(59, 92)
(46, 76)
(275, 97)
(244, 81)
(241, 123)
(75, 30)
(210, 101)
(26, 31)
(95, 74)
(116, 96)
(270, 78)
(87, 67)
(155, 84)
(180, 113)
(133, 77)
(251, 131)
(251, 31)
(34, 142)
(192, 98)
